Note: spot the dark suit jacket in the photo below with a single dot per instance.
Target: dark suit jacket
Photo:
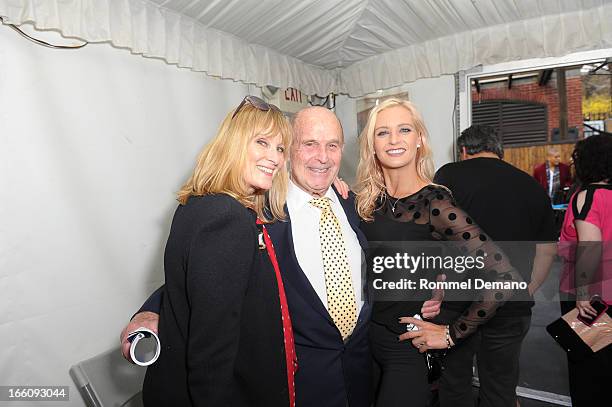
(330, 373)
(565, 178)
(220, 322)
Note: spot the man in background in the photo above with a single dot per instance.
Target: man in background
(553, 175)
(510, 207)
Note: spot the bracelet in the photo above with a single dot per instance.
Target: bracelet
(448, 340)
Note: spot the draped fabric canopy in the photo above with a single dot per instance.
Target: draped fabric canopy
(343, 46)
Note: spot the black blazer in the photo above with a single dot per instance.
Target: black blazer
(220, 321)
(330, 373)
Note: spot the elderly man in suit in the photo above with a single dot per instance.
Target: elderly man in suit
(553, 175)
(331, 345)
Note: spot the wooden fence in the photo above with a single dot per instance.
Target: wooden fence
(525, 158)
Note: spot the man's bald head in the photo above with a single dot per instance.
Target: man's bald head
(316, 149)
(554, 156)
(307, 117)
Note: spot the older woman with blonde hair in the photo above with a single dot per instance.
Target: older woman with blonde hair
(224, 322)
(397, 200)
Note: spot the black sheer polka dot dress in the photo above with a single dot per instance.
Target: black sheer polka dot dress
(427, 215)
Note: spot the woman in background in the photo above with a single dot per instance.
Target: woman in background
(224, 324)
(588, 227)
(398, 202)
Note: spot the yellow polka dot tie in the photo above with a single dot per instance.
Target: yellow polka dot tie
(341, 303)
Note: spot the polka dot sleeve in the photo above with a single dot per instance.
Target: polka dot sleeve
(448, 222)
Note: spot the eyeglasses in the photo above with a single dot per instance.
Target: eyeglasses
(257, 103)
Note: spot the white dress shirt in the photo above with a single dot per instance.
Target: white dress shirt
(305, 229)
(551, 177)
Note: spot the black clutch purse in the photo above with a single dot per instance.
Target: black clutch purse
(435, 364)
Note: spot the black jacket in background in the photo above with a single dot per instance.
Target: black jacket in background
(220, 322)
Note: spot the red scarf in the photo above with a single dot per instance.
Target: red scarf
(290, 356)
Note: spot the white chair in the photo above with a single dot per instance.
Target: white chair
(108, 380)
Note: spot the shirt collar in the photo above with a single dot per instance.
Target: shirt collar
(297, 198)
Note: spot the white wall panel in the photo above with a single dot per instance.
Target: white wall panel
(93, 145)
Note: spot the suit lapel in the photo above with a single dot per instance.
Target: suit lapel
(281, 235)
(351, 215)
(295, 276)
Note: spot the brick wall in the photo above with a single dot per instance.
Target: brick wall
(548, 95)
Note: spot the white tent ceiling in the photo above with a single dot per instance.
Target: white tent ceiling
(338, 33)
(345, 46)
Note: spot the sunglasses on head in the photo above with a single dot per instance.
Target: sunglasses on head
(257, 103)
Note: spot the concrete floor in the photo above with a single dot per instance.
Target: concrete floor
(543, 362)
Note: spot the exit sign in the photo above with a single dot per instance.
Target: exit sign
(294, 95)
(289, 100)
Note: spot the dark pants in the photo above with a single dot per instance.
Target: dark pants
(589, 378)
(497, 346)
(403, 370)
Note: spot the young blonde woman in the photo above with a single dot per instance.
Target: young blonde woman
(224, 323)
(397, 201)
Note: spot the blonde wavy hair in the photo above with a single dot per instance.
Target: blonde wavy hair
(370, 184)
(221, 164)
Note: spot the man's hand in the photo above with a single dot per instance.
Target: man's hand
(532, 288)
(149, 320)
(544, 257)
(431, 308)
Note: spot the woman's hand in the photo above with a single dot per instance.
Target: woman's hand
(585, 309)
(342, 187)
(429, 336)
